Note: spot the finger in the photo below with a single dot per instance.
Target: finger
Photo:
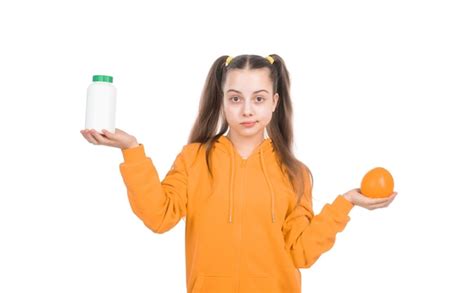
(108, 134)
(109, 138)
(103, 138)
(85, 136)
(373, 201)
(89, 137)
(92, 139)
(383, 204)
(99, 138)
(392, 198)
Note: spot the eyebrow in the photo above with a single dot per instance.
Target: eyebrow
(232, 90)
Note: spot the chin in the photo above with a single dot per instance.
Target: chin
(250, 132)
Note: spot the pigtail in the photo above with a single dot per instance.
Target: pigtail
(209, 114)
(281, 129)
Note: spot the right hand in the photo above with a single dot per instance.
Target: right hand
(119, 139)
(357, 198)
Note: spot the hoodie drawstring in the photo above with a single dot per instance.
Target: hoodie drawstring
(269, 185)
(231, 185)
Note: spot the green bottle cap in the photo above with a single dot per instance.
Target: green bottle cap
(105, 78)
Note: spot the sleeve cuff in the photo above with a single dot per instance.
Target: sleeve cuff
(342, 204)
(134, 154)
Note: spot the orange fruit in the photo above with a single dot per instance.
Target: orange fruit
(377, 183)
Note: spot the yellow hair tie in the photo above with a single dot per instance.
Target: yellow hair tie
(270, 59)
(227, 61)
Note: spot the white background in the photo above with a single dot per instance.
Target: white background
(374, 83)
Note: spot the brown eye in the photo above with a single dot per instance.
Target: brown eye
(262, 99)
(233, 98)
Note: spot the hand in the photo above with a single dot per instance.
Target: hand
(356, 198)
(119, 139)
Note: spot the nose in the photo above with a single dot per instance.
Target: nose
(248, 111)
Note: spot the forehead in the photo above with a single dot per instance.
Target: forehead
(248, 79)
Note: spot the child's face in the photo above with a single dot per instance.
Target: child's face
(248, 96)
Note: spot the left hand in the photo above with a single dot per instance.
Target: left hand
(356, 198)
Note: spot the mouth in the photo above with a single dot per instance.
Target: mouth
(249, 123)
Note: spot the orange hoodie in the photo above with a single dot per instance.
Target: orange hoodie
(244, 232)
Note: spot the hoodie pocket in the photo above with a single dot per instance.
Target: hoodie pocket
(213, 284)
(259, 284)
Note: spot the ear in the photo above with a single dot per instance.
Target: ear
(275, 101)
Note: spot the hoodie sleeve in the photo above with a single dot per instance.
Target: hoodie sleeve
(307, 236)
(159, 204)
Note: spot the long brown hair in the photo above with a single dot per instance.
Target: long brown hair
(206, 129)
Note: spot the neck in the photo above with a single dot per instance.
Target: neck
(245, 144)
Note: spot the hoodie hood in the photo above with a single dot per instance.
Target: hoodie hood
(262, 152)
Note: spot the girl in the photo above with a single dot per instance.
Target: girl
(247, 199)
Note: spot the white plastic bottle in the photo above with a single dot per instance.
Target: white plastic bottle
(101, 104)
